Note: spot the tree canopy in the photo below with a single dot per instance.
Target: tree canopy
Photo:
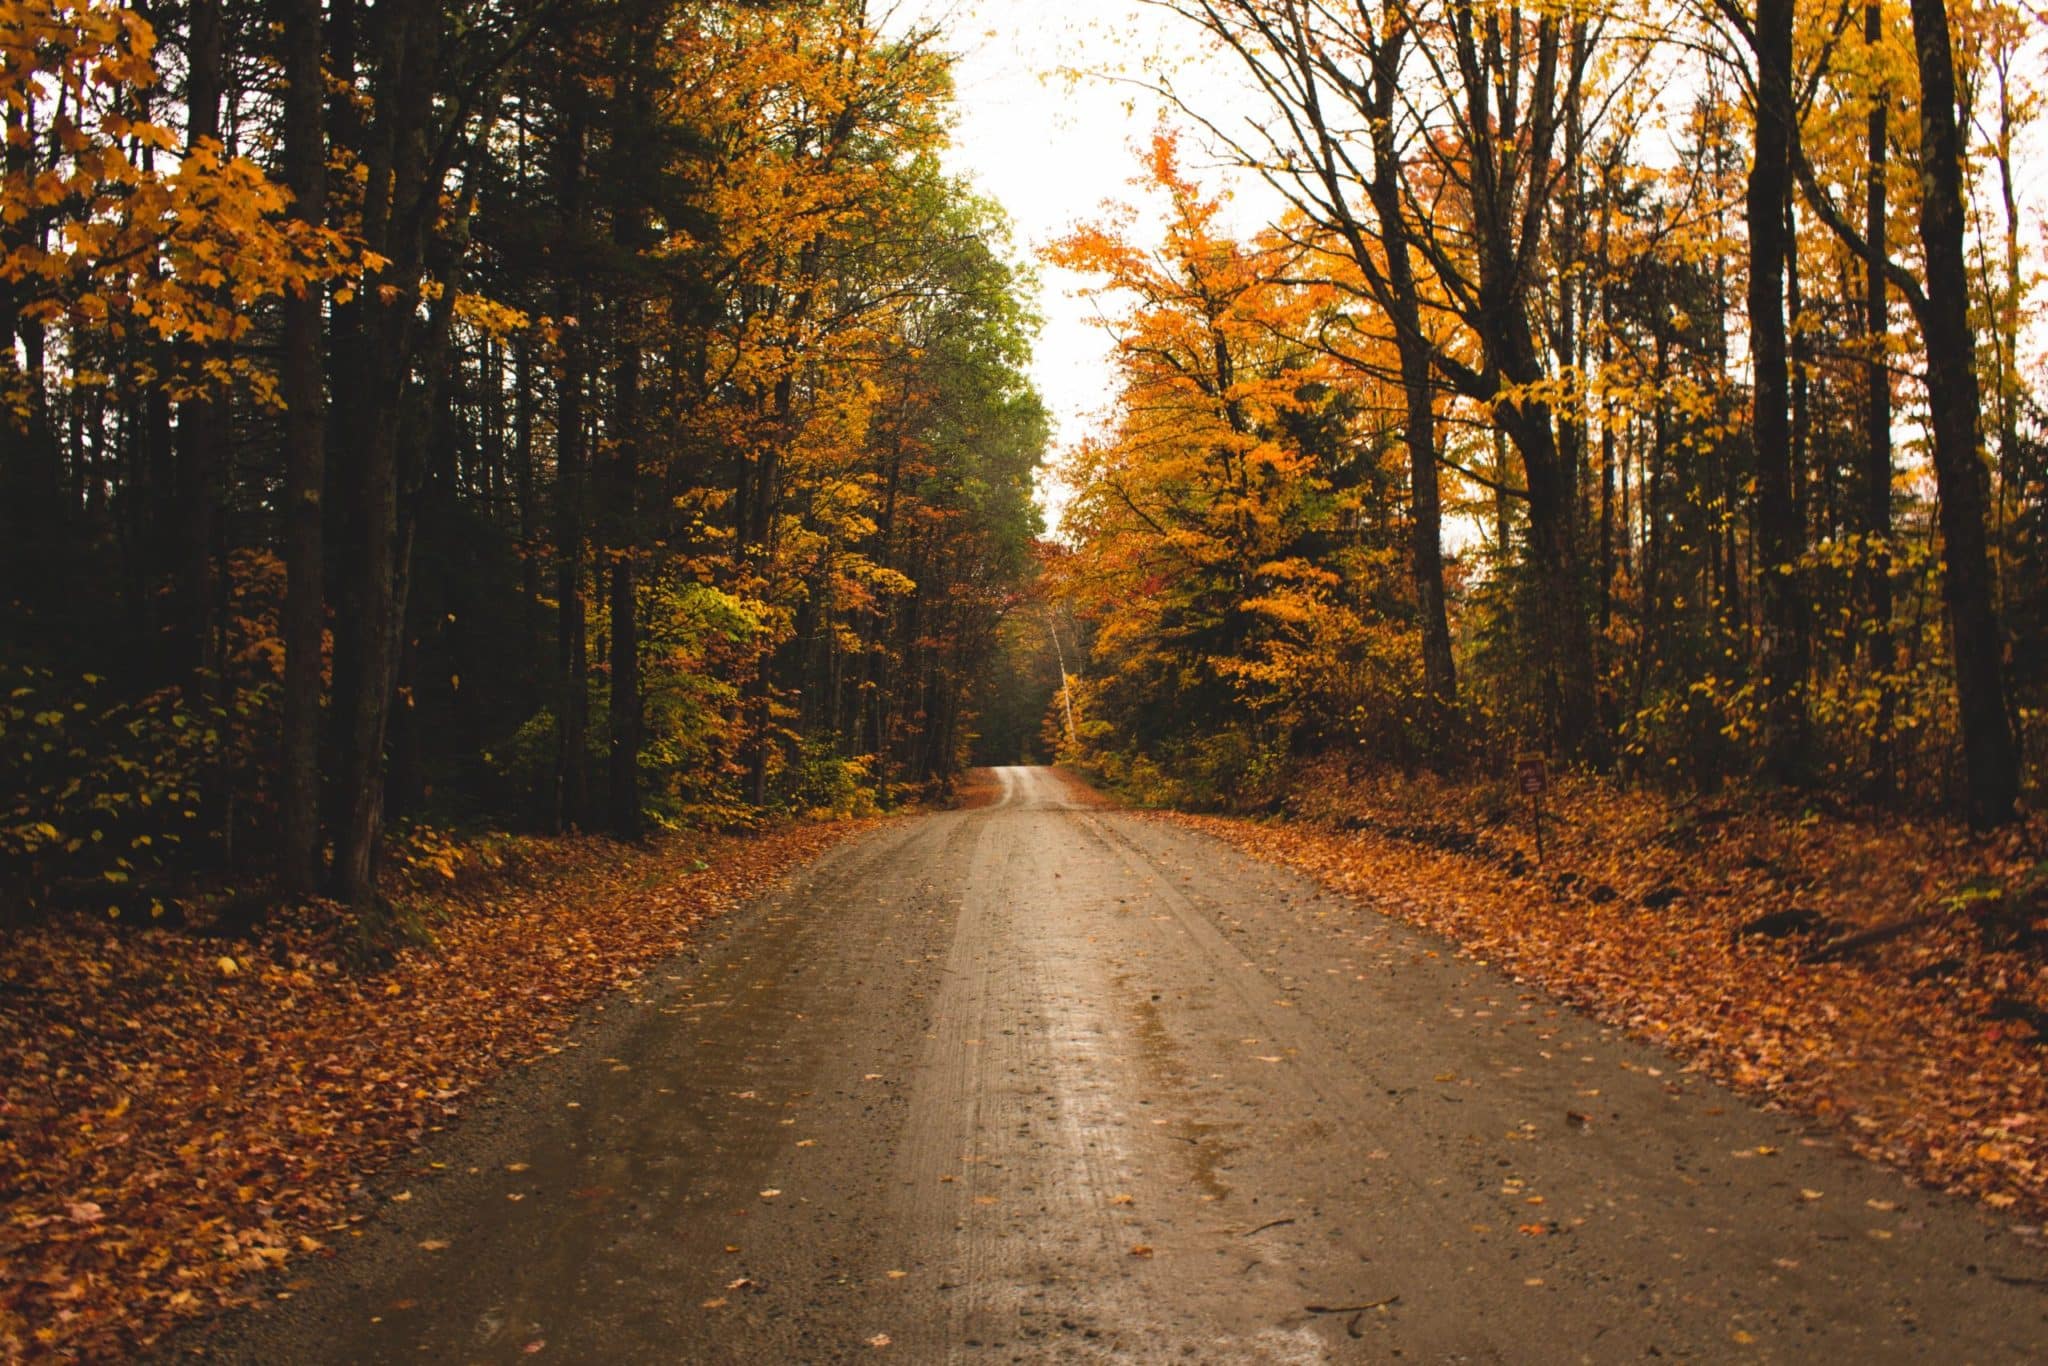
(555, 414)
(1647, 385)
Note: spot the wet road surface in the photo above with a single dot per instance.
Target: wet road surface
(1043, 1081)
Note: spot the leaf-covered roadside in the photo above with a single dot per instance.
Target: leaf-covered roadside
(1925, 1048)
(184, 1115)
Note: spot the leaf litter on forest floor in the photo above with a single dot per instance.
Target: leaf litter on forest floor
(172, 1133)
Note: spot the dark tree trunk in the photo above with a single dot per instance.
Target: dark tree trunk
(1877, 461)
(202, 420)
(524, 490)
(303, 386)
(572, 699)
(393, 225)
(1777, 518)
(1954, 409)
(1402, 302)
(1511, 160)
(624, 479)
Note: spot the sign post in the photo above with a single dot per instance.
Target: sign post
(1534, 776)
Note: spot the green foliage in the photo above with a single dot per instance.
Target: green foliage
(1232, 767)
(819, 782)
(105, 798)
(691, 634)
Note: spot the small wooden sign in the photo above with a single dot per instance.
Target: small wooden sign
(1533, 775)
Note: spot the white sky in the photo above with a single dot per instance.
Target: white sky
(1047, 128)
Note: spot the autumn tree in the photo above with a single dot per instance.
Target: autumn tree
(521, 368)
(1707, 568)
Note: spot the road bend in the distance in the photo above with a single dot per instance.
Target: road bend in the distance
(1043, 1081)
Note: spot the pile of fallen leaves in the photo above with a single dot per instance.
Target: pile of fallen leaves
(183, 1114)
(1886, 976)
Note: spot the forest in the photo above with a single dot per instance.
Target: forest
(612, 417)
(1651, 386)
(488, 487)
(431, 417)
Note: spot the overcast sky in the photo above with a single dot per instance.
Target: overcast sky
(1050, 113)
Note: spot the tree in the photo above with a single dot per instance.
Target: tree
(611, 291)
(1779, 529)
(1470, 202)
(1955, 414)
(302, 386)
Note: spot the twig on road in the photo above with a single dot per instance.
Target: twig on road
(1350, 1308)
(1271, 1223)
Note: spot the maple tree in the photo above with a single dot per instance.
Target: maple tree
(1236, 551)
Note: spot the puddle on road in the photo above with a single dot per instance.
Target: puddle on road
(1207, 1151)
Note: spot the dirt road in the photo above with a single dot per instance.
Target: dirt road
(1042, 1082)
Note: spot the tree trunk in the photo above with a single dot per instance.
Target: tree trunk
(1777, 518)
(572, 698)
(1954, 410)
(524, 490)
(303, 387)
(1418, 389)
(624, 481)
(393, 226)
(202, 420)
(1877, 457)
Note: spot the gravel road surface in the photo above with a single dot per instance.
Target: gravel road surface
(1044, 1081)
